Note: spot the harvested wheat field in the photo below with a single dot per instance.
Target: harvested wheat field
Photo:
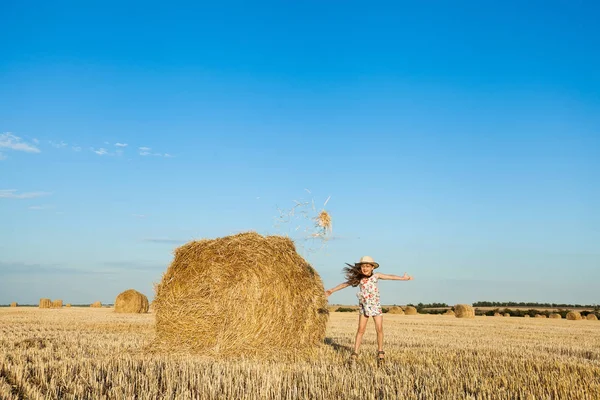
(83, 353)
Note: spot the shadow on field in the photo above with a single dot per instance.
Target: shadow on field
(340, 348)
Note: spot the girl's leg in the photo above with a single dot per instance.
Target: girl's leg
(379, 328)
(362, 326)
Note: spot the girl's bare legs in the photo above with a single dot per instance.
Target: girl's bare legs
(362, 326)
(379, 328)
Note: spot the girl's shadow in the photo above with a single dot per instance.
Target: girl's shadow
(340, 348)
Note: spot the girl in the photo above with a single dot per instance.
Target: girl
(361, 274)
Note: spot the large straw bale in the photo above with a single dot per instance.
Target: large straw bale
(410, 310)
(497, 314)
(131, 301)
(507, 314)
(96, 304)
(14, 304)
(573, 315)
(395, 310)
(464, 311)
(555, 316)
(45, 303)
(450, 312)
(240, 295)
(57, 304)
(68, 305)
(591, 317)
(540, 315)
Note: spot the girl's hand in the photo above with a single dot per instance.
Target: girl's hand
(407, 277)
(328, 292)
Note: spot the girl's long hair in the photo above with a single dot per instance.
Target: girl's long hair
(354, 274)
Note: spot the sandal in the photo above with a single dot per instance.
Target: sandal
(380, 358)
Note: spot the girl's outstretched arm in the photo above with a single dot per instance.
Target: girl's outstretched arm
(404, 277)
(335, 289)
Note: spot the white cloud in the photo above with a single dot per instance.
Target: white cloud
(167, 155)
(76, 148)
(100, 151)
(58, 145)
(10, 141)
(12, 194)
(147, 151)
(39, 207)
(34, 140)
(121, 144)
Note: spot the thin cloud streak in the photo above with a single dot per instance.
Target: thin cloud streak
(12, 194)
(13, 142)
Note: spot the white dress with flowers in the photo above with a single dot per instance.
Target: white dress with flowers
(368, 297)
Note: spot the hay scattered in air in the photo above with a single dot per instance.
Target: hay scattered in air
(244, 295)
(131, 301)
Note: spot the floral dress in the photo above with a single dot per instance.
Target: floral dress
(368, 297)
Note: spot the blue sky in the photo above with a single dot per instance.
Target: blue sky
(457, 141)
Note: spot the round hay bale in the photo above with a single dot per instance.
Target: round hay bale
(540, 315)
(526, 316)
(497, 314)
(14, 304)
(240, 295)
(507, 314)
(555, 316)
(68, 305)
(464, 311)
(450, 312)
(410, 310)
(591, 317)
(57, 304)
(396, 310)
(96, 304)
(131, 302)
(573, 316)
(45, 303)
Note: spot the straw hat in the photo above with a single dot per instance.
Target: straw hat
(368, 260)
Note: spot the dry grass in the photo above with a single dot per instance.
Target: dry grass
(82, 353)
(242, 295)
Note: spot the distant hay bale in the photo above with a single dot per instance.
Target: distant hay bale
(506, 314)
(396, 310)
(96, 304)
(527, 316)
(57, 304)
(450, 312)
(497, 314)
(13, 304)
(573, 315)
(410, 310)
(45, 303)
(68, 305)
(555, 316)
(592, 317)
(132, 302)
(240, 295)
(540, 315)
(464, 311)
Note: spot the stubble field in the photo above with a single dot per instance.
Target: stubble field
(82, 353)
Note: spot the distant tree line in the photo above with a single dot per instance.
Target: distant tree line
(537, 305)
